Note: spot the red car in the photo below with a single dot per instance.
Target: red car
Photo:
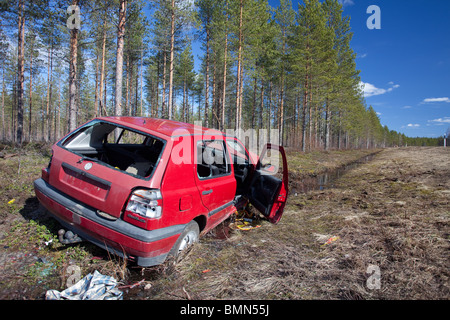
(144, 188)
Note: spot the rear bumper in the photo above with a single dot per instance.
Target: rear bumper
(146, 247)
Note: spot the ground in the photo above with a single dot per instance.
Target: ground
(380, 231)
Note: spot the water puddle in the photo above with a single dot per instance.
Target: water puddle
(327, 179)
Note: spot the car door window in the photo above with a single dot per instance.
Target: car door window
(212, 159)
(237, 151)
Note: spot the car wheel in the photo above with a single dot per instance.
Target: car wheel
(189, 236)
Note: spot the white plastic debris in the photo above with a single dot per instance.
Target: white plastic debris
(92, 287)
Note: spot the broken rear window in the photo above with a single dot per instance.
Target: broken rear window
(133, 152)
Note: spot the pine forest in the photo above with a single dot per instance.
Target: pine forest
(288, 68)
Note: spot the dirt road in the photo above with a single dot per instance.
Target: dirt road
(381, 231)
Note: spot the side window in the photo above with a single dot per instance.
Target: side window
(237, 151)
(130, 137)
(212, 159)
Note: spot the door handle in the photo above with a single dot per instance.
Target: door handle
(207, 192)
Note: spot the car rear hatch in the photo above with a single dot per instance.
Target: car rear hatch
(101, 163)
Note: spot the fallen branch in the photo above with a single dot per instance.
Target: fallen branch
(8, 155)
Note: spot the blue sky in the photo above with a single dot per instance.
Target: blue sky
(405, 65)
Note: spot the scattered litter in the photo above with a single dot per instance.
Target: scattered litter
(246, 220)
(331, 240)
(96, 258)
(131, 286)
(48, 242)
(49, 268)
(246, 226)
(148, 286)
(11, 201)
(92, 287)
(206, 271)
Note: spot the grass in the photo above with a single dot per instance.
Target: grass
(392, 213)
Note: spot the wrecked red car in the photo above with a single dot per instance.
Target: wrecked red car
(145, 188)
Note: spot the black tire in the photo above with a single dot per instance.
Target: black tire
(189, 236)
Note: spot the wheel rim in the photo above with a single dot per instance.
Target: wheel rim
(188, 239)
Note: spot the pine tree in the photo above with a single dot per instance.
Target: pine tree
(119, 57)
(284, 17)
(184, 71)
(206, 11)
(346, 77)
(32, 47)
(73, 92)
(4, 46)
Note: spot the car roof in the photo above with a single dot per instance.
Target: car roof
(169, 128)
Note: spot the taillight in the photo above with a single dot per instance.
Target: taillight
(145, 203)
(46, 171)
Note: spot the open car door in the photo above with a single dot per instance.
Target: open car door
(268, 190)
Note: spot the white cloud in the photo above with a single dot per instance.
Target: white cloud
(362, 56)
(440, 121)
(431, 100)
(346, 3)
(370, 90)
(413, 125)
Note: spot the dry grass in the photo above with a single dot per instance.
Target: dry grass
(392, 213)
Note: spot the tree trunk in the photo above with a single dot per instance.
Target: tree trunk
(96, 87)
(104, 101)
(172, 46)
(163, 112)
(72, 80)
(155, 109)
(305, 105)
(310, 118)
(282, 110)
(339, 132)
(136, 84)
(214, 114)
(327, 125)
(102, 73)
(127, 87)
(3, 106)
(224, 92)
(49, 91)
(73, 76)
(207, 77)
(252, 122)
(184, 97)
(239, 66)
(30, 98)
(141, 83)
(269, 111)
(119, 57)
(58, 126)
(20, 72)
(261, 106)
